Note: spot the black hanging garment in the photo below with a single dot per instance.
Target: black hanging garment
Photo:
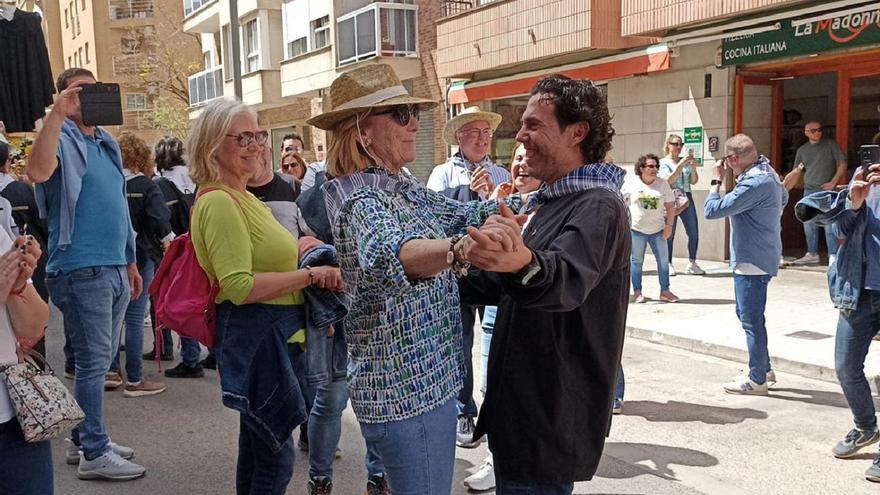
(26, 85)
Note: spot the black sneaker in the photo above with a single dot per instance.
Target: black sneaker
(184, 371)
(150, 356)
(855, 440)
(209, 363)
(377, 486)
(320, 485)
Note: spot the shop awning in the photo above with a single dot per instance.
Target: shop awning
(652, 59)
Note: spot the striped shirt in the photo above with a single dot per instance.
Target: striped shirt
(404, 335)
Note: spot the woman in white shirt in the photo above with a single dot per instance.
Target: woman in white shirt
(25, 468)
(652, 209)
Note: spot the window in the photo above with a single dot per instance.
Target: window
(87, 52)
(79, 54)
(135, 101)
(320, 32)
(66, 19)
(69, 62)
(297, 47)
(252, 45)
(83, 2)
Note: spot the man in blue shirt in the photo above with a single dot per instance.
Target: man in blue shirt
(754, 207)
(91, 273)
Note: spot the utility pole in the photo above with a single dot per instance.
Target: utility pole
(235, 38)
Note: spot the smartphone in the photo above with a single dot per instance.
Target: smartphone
(101, 104)
(869, 154)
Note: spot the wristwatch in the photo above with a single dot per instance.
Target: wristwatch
(530, 270)
(715, 182)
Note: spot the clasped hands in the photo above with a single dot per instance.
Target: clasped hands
(497, 246)
(17, 265)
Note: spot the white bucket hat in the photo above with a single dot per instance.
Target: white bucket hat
(468, 115)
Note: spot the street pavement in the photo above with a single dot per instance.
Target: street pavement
(679, 434)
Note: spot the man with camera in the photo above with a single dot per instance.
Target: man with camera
(854, 282)
(824, 165)
(91, 273)
(754, 207)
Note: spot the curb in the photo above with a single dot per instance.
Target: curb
(814, 371)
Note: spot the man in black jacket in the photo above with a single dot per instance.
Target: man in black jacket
(562, 295)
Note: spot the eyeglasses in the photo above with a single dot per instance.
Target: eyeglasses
(813, 131)
(727, 157)
(649, 166)
(247, 137)
(402, 113)
(674, 143)
(476, 133)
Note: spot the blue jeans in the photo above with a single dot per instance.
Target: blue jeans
(751, 299)
(259, 470)
(25, 468)
(506, 487)
(691, 228)
(488, 324)
(811, 230)
(640, 243)
(325, 428)
(466, 404)
(419, 452)
(620, 387)
(93, 301)
(134, 329)
(190, 351)
(855, 329)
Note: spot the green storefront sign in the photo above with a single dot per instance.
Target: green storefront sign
(804, 38)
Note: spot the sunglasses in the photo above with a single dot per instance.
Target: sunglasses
(402, 113)
(247, 137)
(813, 131)
(649, 166)
(674, 143)
(286, 166)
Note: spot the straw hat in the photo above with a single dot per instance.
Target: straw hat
(468, 115)
(364, 88)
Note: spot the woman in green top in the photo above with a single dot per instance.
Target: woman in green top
(681, 173)
(254, 259)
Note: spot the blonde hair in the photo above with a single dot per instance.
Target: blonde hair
(345, 155)
(136, 155)
(207, 134)
(666, 146)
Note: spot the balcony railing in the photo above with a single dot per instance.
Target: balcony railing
(394, 25)
(452, 7)
(205, 86)
(190, 6)
(121, 10)
(136, 64)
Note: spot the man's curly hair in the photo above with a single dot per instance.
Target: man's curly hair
(579, 100)
(136, 155)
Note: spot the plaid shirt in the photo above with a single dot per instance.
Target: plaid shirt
(604, 175)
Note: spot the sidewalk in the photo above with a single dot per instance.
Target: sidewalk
(801, 320)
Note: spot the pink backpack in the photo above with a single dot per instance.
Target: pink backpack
(183, 295)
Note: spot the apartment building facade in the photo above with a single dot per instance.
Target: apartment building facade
(705, 69)
(292, 50)
(121, 41)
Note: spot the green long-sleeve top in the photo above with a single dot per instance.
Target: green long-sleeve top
(233, 244)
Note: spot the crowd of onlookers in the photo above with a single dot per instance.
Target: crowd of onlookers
(348, 280)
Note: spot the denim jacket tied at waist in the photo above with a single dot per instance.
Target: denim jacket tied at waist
(326, 357)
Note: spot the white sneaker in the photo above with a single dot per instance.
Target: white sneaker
(694, 269)
(108, 466)
(807, 260)
(745, 386)
(831, 259)
(484, 478)
(671, 270)
(73, 452)
(771, 378)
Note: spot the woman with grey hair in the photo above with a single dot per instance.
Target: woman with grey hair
(254, 261)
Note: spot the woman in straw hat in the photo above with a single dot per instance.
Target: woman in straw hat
(398, 245)
(253, 259)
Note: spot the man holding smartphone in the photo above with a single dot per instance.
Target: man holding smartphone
(92, 271)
